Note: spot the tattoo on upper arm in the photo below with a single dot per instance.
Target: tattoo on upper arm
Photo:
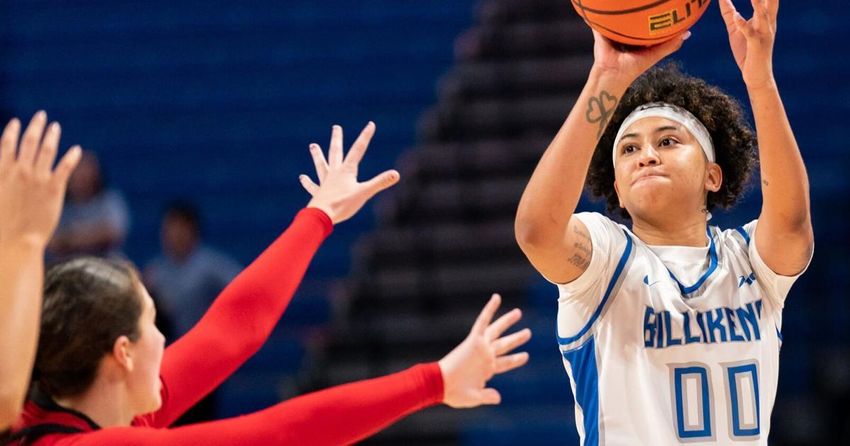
(579, 261)
(583, 248)
(599, 110)
(581, 231)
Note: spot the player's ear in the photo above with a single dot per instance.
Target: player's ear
(121, 353)
(713, 177)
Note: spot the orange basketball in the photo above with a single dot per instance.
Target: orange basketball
(640, 22)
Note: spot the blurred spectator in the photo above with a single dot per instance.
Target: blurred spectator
(184, 280)
(187, 276)
(95, 219)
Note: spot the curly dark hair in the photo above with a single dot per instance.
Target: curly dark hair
(733, 138)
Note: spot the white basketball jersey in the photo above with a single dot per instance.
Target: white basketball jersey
(669, 344)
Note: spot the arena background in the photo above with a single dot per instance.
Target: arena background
(216, 102)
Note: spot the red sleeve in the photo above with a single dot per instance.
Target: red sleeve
(240, 320)
(339, 415)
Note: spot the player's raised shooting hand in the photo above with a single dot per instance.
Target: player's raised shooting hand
(483, 354)
(338, 193)
(628, 62)
(31, 190)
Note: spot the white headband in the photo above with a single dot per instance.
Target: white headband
(673, 113)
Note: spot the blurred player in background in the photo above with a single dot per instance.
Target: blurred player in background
(670, 330)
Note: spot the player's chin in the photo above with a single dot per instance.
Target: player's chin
(651, 192)
(652, 200)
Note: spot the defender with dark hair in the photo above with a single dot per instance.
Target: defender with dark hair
(103, 376)
(669, 329)
(88, 304)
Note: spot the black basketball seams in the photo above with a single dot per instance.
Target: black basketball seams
(578, 4)
(647, 39)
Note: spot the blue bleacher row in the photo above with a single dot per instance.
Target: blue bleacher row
(94, 17)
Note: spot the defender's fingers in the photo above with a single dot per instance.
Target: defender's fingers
(381, 182)
(49, 148)
(319, 161)
(508, 363)
(486, 315)
(495, 330)
(32, 138)
(512, 341)
(9, 142)
(308, 184)
(490, 396)
(335, 149)
(67, 165)
(358, 149)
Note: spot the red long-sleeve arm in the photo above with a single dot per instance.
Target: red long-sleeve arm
(239, 321)
(339, 415)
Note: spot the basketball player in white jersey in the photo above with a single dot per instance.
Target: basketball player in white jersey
(670, 329)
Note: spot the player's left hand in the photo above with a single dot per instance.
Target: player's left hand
(752, 40)
(483, 354)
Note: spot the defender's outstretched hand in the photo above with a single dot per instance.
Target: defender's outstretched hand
(338, 193)
(31, 191)
(752, 40)
(483, 354)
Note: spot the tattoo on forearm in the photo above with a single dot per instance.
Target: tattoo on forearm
(599, 110)
(765, 182)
